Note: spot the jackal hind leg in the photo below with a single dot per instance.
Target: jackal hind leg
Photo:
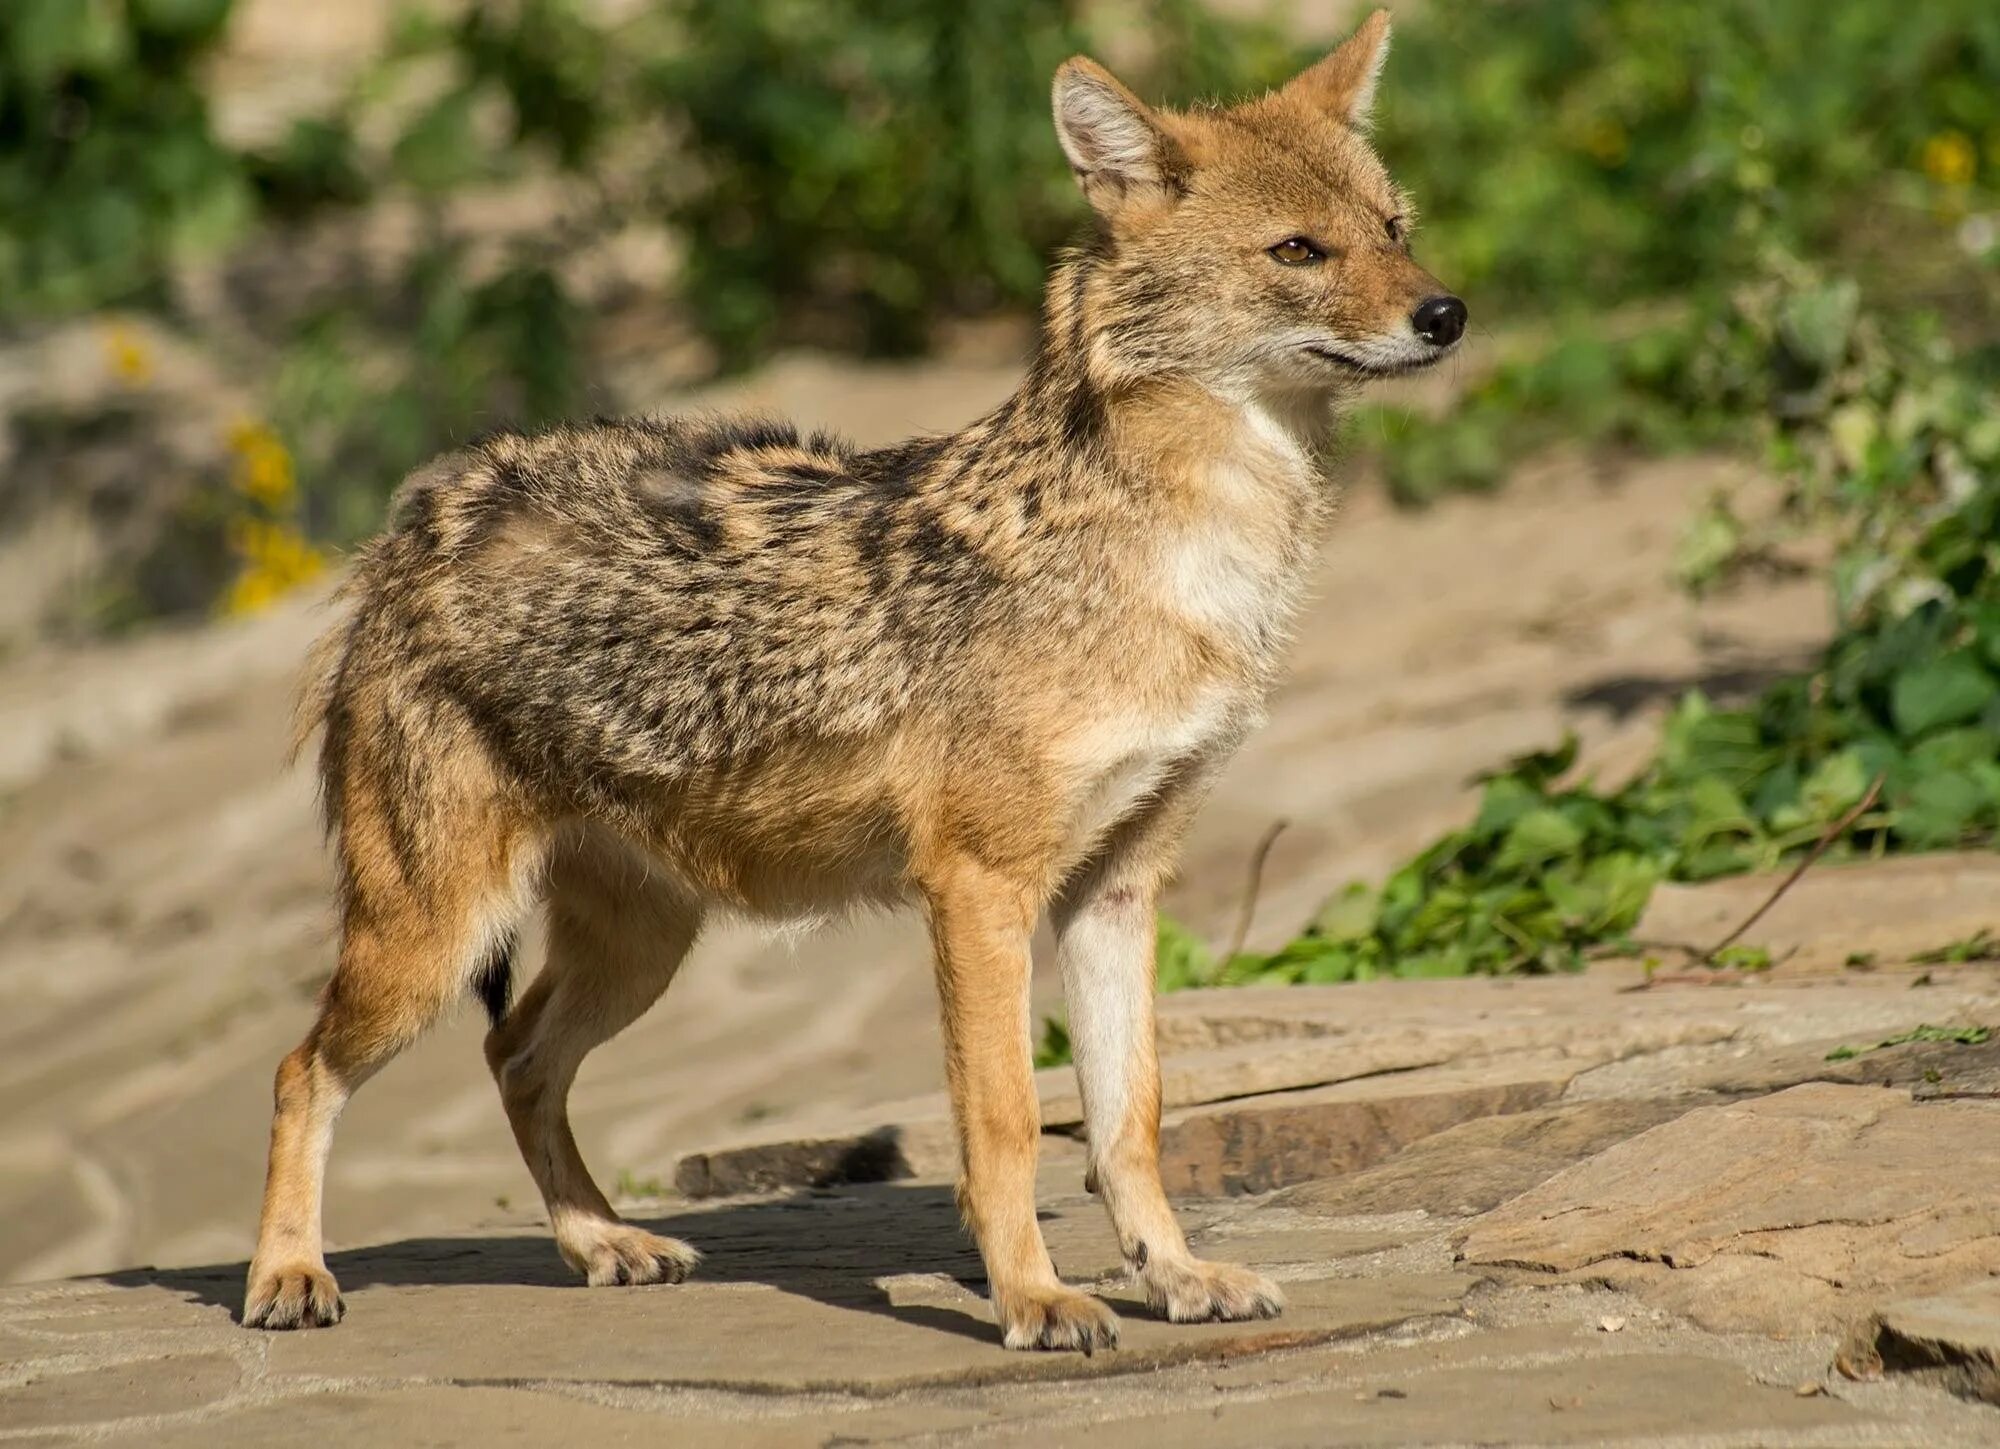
(414, 940)
(617, 935)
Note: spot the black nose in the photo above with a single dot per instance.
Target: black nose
(1440, 321)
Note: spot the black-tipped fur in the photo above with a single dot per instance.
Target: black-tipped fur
(494, 983)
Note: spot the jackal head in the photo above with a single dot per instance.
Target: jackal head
(1261, 247)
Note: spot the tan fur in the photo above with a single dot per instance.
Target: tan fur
(645, 671)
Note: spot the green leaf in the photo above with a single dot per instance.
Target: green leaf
(1350, 915)
(1981, 945)
(1505, 799)
(1986, 629)
(1700, 740)
(1331, 966)
(1965, 748)
(1834, 787)
(1744, 958)
(440, 150)
(1538, 837)
(1538, 768)
(1815, 324)
(1608, 897)
(1958, 1035)
(1708, 544)
(1715, 809)
(181, 17)
(1434, 965)
(1181, 960)
(1054, 1048)
(1943, 691)
(1940, 809)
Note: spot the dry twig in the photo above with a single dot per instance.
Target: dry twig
(1251, 888)
(1832, 833)
(1820, 847)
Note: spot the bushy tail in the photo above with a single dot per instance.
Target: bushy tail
(316, 685)
(319, 681)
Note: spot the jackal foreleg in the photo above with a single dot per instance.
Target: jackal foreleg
(980, 923)
(1105, 928)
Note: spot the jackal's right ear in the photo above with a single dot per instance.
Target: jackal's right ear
(1114, 143)
(1343, 84)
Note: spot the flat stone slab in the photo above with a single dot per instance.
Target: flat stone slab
(1260, 1143)
(1478, 1165)
(869, 1294)
(1511, 1365)
(1593, 1014)
(1800, 1211)
(1586, 1400)
(919, 1146)
(1279, 1045)
(1887, 910)
(1928, 1070)
(855, 1315)
(1951, 1338)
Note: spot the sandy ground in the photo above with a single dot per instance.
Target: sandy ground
(163, 893)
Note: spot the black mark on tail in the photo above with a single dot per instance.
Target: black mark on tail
(494, 984)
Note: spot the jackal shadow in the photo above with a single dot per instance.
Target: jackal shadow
(827, 1245)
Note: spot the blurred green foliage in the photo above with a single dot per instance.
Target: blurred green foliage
(108, 167)
(851, 172)
(872, 160)
(1584, 152)
(888, 163)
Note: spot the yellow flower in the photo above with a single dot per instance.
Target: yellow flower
(263, 464)
(1950, 158)
(275, 558)
(126, 356)
(251, 593)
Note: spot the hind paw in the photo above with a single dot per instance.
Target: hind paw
(623, 1256)
(1192, 1291)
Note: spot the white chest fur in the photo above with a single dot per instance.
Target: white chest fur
(1230, 566)
(1121, 764)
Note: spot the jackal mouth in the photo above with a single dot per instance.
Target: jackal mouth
(1379, 369)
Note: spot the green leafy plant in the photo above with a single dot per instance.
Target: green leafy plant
(864, 169)
(109, 168)
(1961, 1035)
(1908, 691)
(1981, 945)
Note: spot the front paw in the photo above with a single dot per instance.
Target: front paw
(292, 1295)
(1056, 1318)
(1191, 1291)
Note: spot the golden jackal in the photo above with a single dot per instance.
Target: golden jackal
(643, 671)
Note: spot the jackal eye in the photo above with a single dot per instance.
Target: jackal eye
(1394, 226)
(1296, 251)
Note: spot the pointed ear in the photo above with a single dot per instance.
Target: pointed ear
(1343, 84)
(1114, 143)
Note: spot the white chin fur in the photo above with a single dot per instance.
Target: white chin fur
(1394, 353)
